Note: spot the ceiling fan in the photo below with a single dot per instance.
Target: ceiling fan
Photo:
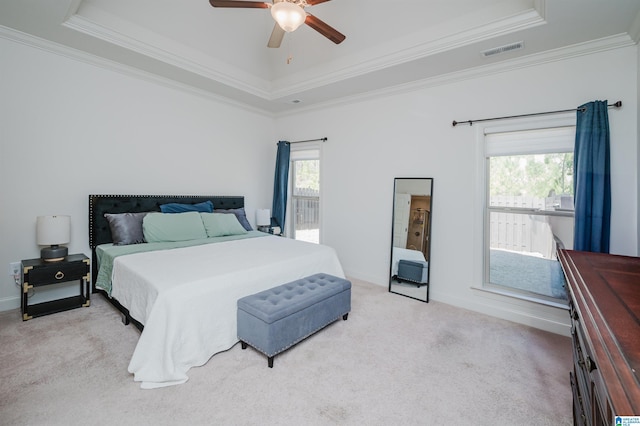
(289, 15)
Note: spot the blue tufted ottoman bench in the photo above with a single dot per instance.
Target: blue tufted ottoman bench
(413, 270)
(276, 319)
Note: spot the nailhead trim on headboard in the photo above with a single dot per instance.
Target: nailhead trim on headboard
(99, 204)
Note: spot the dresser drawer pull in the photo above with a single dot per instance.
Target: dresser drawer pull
(59, 275)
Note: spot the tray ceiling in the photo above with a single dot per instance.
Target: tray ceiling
(389, 43)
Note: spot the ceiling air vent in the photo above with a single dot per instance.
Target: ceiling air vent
(503, 49)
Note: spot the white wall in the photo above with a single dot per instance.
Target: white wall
(70, 129)
(410, 135)
(100, 131)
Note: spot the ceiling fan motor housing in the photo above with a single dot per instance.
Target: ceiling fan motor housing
(288, 15)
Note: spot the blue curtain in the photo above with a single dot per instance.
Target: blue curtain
(592, 181)
(279, 207)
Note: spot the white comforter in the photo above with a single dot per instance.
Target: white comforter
(186, 298)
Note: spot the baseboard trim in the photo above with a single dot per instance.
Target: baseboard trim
(368, 278)
(9, 303)
(547, 318)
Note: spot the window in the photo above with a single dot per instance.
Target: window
(305, 194)
(529, 210)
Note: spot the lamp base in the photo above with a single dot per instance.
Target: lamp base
(54, 253)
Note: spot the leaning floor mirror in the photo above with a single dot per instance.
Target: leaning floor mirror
(411, 237)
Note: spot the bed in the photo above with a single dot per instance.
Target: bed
(183, 296)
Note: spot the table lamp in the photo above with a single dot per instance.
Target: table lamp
(52, 231)
(263, 218)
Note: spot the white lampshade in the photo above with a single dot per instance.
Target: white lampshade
(263, 217)
(288, 15)
(52, 231)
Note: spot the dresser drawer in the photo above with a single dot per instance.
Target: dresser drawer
(578, 409)
(604, 307)
(581, 381)
(54, 273)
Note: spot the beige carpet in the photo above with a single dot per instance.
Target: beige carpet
(395, 361)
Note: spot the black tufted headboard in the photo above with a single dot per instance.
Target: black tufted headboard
(99, 232)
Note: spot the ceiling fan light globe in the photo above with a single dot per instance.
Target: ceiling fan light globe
(288, 15)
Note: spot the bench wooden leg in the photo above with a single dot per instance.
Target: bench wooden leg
(344, 317)
(270, 362)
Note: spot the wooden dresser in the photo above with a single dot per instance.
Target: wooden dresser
(604, 301)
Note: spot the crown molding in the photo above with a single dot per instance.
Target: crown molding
(396, 53)
(581, 49)
(81, 56)
(215, 70)
(530, 18)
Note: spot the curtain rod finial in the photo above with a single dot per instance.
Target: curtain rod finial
(454, 123)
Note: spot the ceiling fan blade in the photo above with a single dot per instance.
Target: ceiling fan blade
(325, 29)
(276, 36)
(238, 3)
(312, 2)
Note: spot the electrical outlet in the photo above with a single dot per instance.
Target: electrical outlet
(14, 268)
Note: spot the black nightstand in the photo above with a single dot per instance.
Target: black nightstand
(269, 230)
(37, 273)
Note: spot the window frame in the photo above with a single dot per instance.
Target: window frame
(482, 234)
(303, 151)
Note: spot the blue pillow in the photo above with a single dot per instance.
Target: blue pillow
(204, 207)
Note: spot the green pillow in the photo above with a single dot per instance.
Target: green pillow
(159, 227)
(221, 224)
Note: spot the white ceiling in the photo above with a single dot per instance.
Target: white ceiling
(389, 42)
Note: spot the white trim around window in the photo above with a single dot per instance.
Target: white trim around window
(305, 151)
(557, 127)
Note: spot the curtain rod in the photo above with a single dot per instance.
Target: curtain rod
(310, 140)
(455, 123)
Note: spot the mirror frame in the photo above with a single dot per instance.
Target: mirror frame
(428, 181)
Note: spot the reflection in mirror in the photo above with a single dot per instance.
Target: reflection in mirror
(411, 237)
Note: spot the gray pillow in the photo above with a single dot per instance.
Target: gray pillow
(240, 214)
(126, 228)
